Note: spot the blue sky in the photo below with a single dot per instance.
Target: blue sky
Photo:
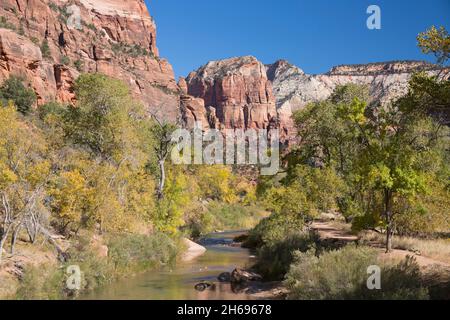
(313, 34)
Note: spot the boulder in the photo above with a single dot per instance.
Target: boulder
(241, 276)
(193, 251)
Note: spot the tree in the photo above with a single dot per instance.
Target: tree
(14, 90)
(437, 42)
(104, 119)
(24, 173)
(162, 131)
(391, 145)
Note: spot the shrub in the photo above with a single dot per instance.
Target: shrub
(275, 259)
(334, 275)
(399, 282)
(44, 282)
(79, 65)
(51, 108)
(65, 60)
(130, 253)
(342, 274)
(45, 49)
(13, 89)
(5, 24)
(274, 229)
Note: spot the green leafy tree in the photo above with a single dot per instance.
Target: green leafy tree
(14, 90)
(391, 147)
(437, 42)
(105, 118)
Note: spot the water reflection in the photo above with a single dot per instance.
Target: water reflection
(178, 283)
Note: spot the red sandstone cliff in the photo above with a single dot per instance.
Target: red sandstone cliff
(234, 93)
(116, 37)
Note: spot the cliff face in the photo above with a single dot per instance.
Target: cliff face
(114, 37)
(236, 93)
(294, 89)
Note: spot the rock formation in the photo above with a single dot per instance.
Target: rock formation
(236, 93)
(387, 81)
(44, 42)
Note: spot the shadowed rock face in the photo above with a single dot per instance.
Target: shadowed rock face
(236, 93)
(117, 38)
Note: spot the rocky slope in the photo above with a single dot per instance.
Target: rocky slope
(231, 93)
(387, 81)
(114, 37)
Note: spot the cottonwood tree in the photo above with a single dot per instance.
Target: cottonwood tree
(393, 143)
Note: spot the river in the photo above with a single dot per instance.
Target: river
(177, 283)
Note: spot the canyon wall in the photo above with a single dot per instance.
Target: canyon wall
(114, 37)
(386, 81)
(236, 93)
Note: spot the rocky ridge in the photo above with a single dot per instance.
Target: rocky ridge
(294, 89)
(117, 38)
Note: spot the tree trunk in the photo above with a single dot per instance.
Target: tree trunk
(2, 242)
(162, 179)
(388, 215)
(14, 239)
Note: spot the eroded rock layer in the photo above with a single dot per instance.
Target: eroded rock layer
(44, 42)
(236, 94)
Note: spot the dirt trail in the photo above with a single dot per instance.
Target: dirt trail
(340, 232)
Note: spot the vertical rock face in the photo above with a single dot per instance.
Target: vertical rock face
(114, 37)
(387, 81)
(236, 93)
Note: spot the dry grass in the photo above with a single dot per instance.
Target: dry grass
(438, 249)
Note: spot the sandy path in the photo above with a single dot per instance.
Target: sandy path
(340, 232)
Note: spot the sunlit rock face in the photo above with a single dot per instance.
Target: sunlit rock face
(115, 37)
(294, 89)
(236, 93)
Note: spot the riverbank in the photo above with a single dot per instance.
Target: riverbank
(178, 281)
(38, 272)
(326, 260)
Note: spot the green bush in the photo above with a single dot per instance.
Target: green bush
(51, 108)
(334, 275)
(65, 60)
(135, 253)
(399, 282)
(13, 89)
(41, 283)
(128, 254)
(274, 229)
(5, 24)
(274, 260)
(342, 274)
(96, 271)
(79, 65)
(45, 49)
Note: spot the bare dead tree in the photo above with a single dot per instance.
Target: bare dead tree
(161, 131)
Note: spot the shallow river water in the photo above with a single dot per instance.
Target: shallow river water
(177, 283)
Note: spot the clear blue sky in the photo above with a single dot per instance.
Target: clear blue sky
(313, 34)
